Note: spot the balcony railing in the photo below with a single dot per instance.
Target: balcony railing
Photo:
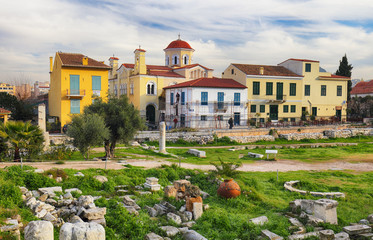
(70, 93)
(220, 106)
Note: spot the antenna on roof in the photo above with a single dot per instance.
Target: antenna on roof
(139, 46)
(179, 36)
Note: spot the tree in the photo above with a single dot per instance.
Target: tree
(87, 130)
(22, 136)
(21, 111)
(122, 119)
(345, 70)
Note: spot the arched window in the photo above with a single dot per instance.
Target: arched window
(186, 59)
(175, 59)
(150, 88)
(167, 60)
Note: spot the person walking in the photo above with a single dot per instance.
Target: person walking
(230, 122)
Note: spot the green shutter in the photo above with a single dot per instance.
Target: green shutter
(253, 108)
(96, 82)
(262, 108)
(256, 88)
(269, 88)
(74, 84)
(75, 106)
(293, 89)
(292, 108)
(285, 108)
(307, 90)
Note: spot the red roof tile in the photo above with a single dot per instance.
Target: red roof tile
(140, 50)
(164, 74)
(114, 58)
(268, 70)
(365, 87)
(210, 83)
(4, 111)
(192, 66)
(334, 76)
(128, 65)
(179, 44)
(301, 60)
(76, 60)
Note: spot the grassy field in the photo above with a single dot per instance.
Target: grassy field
(262, 194)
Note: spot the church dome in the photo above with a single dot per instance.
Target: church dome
(179, 44)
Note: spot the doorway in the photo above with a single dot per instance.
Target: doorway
(150, 114)
(338, 114)
(273, 112)
(237, 118)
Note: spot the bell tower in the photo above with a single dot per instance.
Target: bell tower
(178, 53)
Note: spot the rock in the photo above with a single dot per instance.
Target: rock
(41, 213)
(197, 210)
(170, 191)
(153, 236)
(357, 229)
(23, 190)
(38, 171)
(270, 235)
(82, 231)
(39, 230)
(76, 219)
(181, 185)
(191, 200)
(50, 190)
(259, 220)
(188, 215)
(326, 235)
(73, 190)
(101, 179)
(370, 218)
(303, 236)
(101, 221)
(182, 208)
(342, 236)
(51, 201)
(364, 222)
(68, 195)
(326, 209)
(151, 211)
(169, 206)
(49, 217)
(9, 228)
(129, 201)
(43, 197)
(174, 218)
(35, 193)
(188, 224)
(59, 179)
(193, 235)
(84, 201)
(204, 195)
(131, 210)
(94, 213)
(79, 174)
(170, 230)
(160, 209)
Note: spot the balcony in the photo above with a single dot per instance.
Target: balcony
(75, 93)
(220, 106)
(278, 99)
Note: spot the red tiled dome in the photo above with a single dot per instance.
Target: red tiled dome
(179, 44)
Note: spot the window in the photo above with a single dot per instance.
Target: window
(307, 90)
(75, 106)
(285, 108)
(293, 89)
(285, 119)
(115, 90)
(262, 108)
(256, 88)
(125, 88)
(182, 98)
(131, 88)
(96, 83)
(253, 108)
(292, 119)
(220, 100)
(339, 90)
(232, 71)
(237, 99)
(323, 90)
(150, 88)
(269, 88)
(175, 59)
(261, 120)
(172, 98)
(292, 108)
(121, 89)
(204, 98)
(308, 67)
(167, 60)
(186, 59)
(203, 118)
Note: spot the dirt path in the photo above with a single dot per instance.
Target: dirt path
(260, 166)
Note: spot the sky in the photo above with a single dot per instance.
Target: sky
(221, 32)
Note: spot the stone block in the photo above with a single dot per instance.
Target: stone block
(259, 220)
(94, 213)
(197, 210)
(191, 200)
(326, 210)
(153, 236)
(73, 190)
(326, 235)
(342, 236)
(357, 229)
(270, 235)
(303, 236)
(39, 230)
(193, 235)
(181, 185)
(101, 179)
(84, 231)
(174, 218)
(198, 153)
(170, 191)
(170, 230)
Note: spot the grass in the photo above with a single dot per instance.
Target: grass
(261, 195)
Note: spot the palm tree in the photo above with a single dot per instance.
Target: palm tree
(22, 136)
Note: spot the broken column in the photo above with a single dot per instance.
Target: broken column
(152, 183)
(326, 209)
(42, 124)
(162, 137)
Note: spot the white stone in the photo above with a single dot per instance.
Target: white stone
(270, 235)
(193, 235)
(170, 230)
(82, 231)
(153, 236)
(357, 229)
(198, 153)
(85, 200)
(39, 230)
(73, 190)
(101, 179)
(162, 137)
(197, 210)
(326, 209)
(173, 217)
(342, 236)
(79, 174)
(259, 220)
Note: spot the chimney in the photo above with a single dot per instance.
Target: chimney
(50, 64)
(85, 60)
(261, 70)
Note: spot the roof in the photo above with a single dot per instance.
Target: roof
(365, 87)
(140, 50)
(179, 44)
(334, 76)
(114, 58)
(4, 111)
(76, 60)
(156, 70)
(164, 74)
(249, 69)
(192, 66)
(209, 83)
(301, 60)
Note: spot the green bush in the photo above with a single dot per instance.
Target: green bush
(11, 195)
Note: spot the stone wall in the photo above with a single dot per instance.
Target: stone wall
(346, 133)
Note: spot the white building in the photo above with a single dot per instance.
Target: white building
(206, 103)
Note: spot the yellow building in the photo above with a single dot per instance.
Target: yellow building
(4, 87)
(143, 84)
(4, 115)
(291, 89)
(75, 81)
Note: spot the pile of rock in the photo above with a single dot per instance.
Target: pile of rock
(42, 202)
(251, 139)
(346, 133)
(301, 136)
(12, 226)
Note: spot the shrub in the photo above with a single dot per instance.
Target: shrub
(227, 169)
(11, 195)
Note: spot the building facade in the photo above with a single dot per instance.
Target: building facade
(75, 82)
(143, 84)
(362, 89)
(293, 90)
(4, 87)
(206, 103)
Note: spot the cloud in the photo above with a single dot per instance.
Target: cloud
(221, 32)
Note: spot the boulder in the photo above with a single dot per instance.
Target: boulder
(82, 231)
(193, 235)
(197, 210)
(84, 201)
(101, 179)
(259, 220)
(39, 230)
(342, 236)
(94, 213)
(170, 191)
(174, 218)
(370, 218)
(326, 235)
(170, 230)
(270, 235)
(357, 229)
(73, 190)
(153, 236)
